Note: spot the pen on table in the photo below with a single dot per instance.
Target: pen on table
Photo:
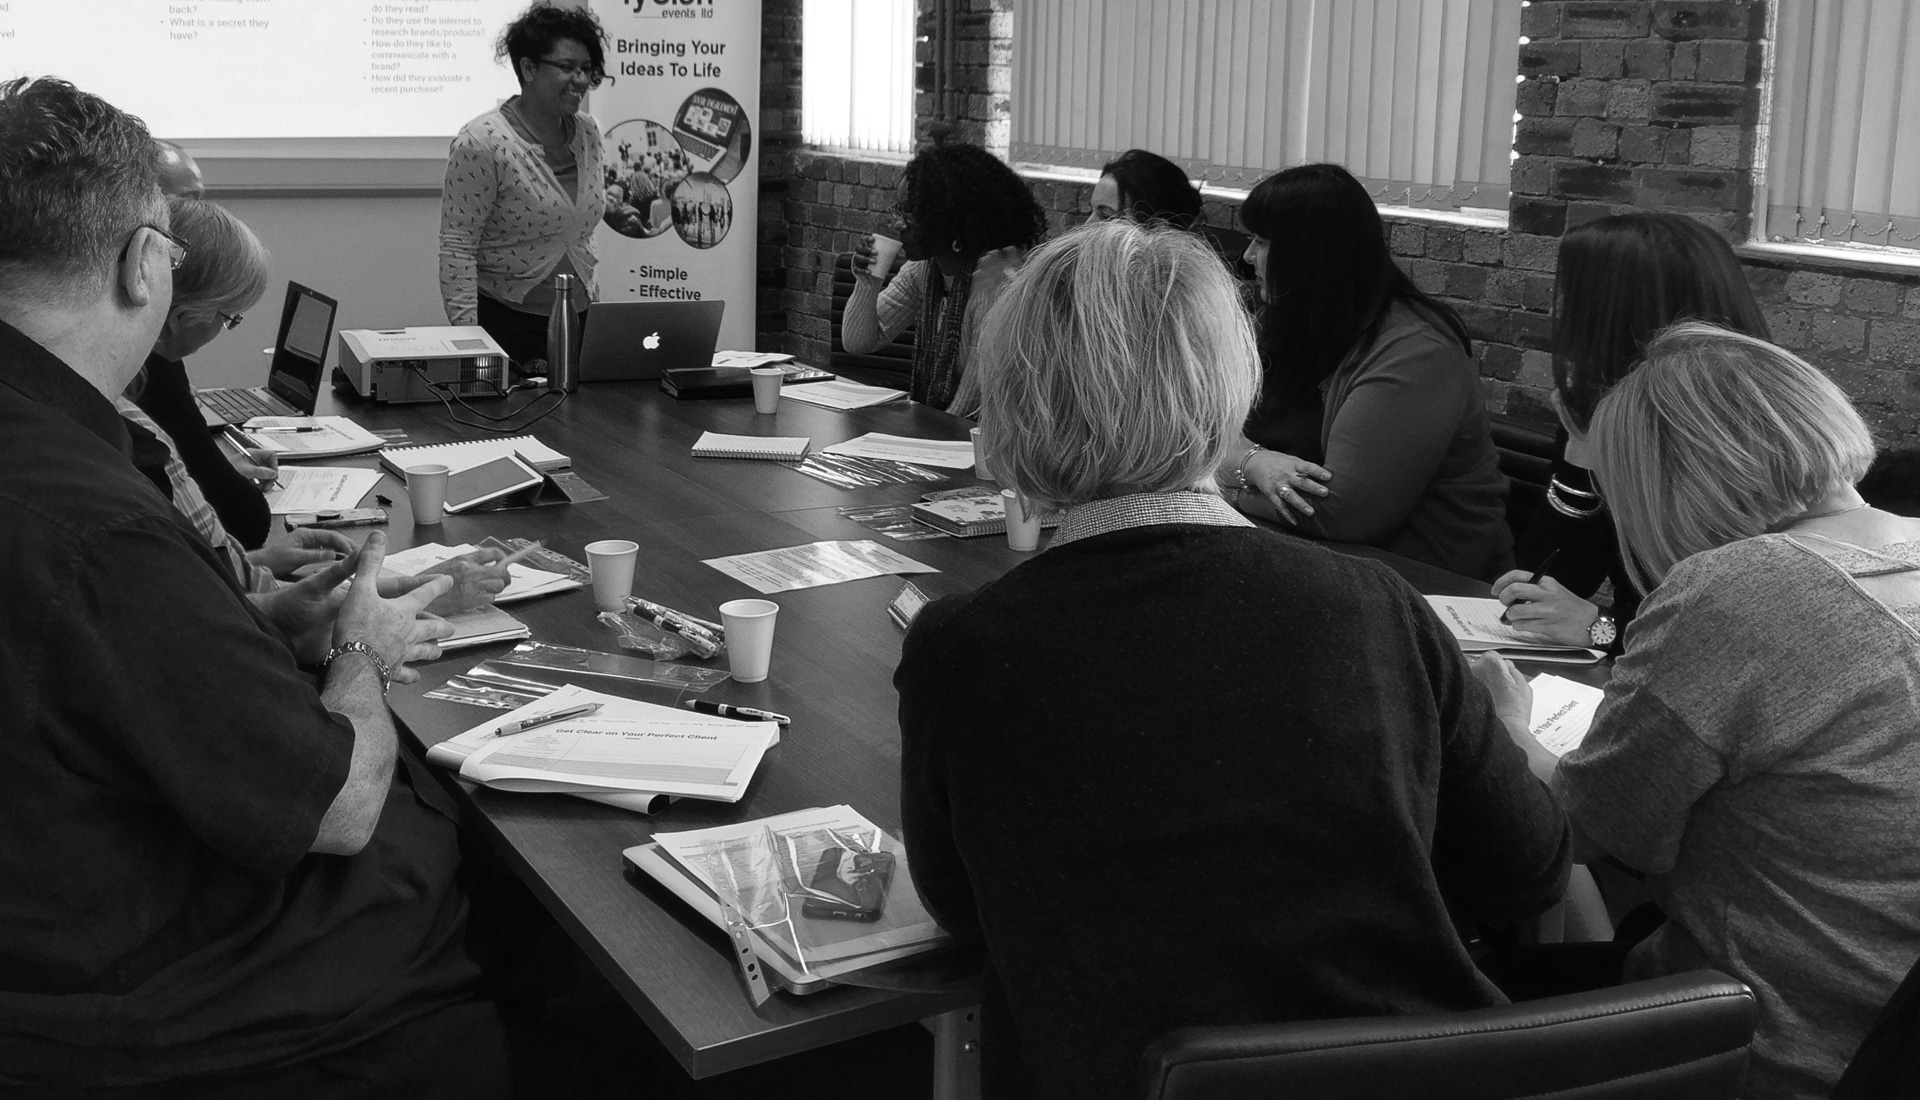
(728, 710)
(548, 718)
(288, 428)
(521, 553)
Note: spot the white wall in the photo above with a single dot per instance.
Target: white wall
(377, 255)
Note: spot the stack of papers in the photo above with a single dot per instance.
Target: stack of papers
(952, 454)
(526, 582)
(763, 869)
(1476, 625)
(630, 754)
(1563, 710)
(815, 564)
(319, 489)
(842, 394)
(308, 436)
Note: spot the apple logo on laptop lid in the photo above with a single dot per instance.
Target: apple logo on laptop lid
(651, 343)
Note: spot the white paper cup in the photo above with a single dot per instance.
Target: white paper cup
(612, 563)
(427, 492)
(979, 456)
(749, 626)
(1023, 521)
(766, 389)
(885, 248)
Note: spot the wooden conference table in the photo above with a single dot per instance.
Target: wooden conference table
(835, 649)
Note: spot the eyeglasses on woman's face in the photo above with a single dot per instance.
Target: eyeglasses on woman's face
(575, 70)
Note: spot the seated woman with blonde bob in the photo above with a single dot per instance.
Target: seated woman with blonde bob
(1344, 789)
(1756, 752)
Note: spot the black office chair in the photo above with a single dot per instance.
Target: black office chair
(1678, 1038)
(1526, 453)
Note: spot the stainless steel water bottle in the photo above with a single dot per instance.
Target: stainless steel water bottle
(563, 339)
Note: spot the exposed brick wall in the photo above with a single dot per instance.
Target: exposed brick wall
(1626, 105)
(778, 138)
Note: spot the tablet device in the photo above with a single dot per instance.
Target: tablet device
(491, 480)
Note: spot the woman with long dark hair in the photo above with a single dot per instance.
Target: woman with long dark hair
(1371, 426)
(1145, 187)
(1619, 280)
(966, 221)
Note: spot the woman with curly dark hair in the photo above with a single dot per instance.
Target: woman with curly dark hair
(966, 221)
(524, 188)
(1371, 426)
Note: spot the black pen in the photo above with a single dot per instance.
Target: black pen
(1535, 579)
(1544, 563)
(728, 710)
(282, 429)
(547, 719)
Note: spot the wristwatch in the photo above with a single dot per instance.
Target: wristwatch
(1603, 631)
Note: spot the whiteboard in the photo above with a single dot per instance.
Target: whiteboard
(275, 79)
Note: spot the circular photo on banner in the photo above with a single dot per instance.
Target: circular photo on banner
(713, 127)
(702, 210)
(645, 162)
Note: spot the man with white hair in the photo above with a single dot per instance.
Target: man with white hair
(216, 881)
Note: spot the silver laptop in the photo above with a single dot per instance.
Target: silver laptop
(627, 341)
(299, 360)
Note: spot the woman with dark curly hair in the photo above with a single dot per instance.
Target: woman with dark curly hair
(524, 186)
(1145, 187)
(966, 221)
(1371, 427)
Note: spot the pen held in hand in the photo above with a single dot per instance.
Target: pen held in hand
(521, 553)
(1538, 575)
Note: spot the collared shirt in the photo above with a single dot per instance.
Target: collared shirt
(1100, 517)
(167, 767)
(192, 504)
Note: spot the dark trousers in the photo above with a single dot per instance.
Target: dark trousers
(523, 335)
(456, 1053)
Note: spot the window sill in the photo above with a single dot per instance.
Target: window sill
(1833, 256)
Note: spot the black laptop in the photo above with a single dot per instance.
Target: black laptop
(299, 357)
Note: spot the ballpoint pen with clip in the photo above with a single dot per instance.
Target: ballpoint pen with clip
(550, 717)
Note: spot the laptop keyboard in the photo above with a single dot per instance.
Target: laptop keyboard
(236, 406)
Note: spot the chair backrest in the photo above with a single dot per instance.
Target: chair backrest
(1678, 1038)
(1526, 456)
(894, 359)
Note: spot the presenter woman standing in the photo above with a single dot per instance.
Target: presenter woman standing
(523, 191)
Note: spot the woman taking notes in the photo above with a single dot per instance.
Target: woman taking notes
(1619, 281)
(1333, 780)
(966, 223)
(1756, 752)
(524, 187)
(1370, 427)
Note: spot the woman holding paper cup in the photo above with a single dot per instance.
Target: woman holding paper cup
(966, 221)
(1164, 651)
(1755, 752)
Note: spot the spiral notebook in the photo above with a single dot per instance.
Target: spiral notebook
(778, 448)
(472, 452)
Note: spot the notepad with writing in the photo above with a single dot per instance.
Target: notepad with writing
(778, 448)
(472, 452)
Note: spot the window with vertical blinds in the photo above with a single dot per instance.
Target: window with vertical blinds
(1843, 156)
(856, 75)
(1415, 97)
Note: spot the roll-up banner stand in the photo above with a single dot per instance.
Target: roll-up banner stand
(678, 113)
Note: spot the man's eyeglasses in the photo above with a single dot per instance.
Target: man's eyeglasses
(176, 248)
(231, 320)
(595, 76)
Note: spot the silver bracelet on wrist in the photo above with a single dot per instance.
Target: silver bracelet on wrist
(367, 651)
(1240, 474)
